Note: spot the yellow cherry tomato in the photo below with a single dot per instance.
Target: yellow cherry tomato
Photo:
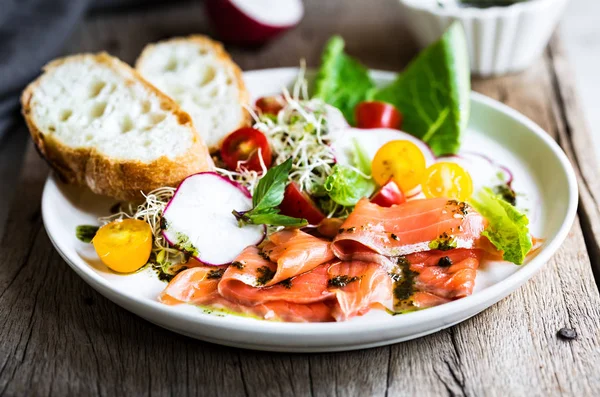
(124, 245)
(447, 180)
(401, 161)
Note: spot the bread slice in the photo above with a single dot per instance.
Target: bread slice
(201, 77)
(99, 124)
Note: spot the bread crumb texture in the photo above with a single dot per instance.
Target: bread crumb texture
(201, 77)
(83, 103)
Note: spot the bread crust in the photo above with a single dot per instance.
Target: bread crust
(223, 56)
(121, 179)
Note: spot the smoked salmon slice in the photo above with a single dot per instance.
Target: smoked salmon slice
(240, 281)
(435, 277)
(447, 274)
(415, 226)
(334, 291)
(199, 285)
(359, 287)
(295, 252)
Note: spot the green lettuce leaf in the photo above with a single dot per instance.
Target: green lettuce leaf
(433, 92)
(341, 80)
(346, 186)
(507, 229)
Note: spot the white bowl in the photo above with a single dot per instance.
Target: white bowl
(500, 39)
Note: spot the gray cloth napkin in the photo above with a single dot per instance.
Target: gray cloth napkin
(32, 32)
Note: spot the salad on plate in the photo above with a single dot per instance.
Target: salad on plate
(337, 200)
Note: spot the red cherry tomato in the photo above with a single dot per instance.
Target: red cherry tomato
(297, 204)
(377, 115)
(269, 104)
(388, 195)
(242, 146)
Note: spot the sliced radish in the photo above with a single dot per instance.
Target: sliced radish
(370, 140)
(253, 21)
(198, 219)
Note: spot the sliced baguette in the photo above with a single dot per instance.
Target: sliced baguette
(99, 124)
(201, 77)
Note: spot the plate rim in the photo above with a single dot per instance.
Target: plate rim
(492, 293)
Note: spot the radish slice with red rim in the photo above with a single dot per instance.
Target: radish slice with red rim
(198, 219)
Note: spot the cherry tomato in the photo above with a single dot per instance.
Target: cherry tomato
(389, 194)
(401, 161)
(377, 115)
(297, 204)
(240, 149)
(447, 180)
(269, 104)
(124, 245)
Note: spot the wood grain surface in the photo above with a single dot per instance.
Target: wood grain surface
(59, 337)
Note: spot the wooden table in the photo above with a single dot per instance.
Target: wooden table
(59, 337)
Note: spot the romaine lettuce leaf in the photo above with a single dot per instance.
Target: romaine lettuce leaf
(507, 229)
(346, 186)
(433, 92)
(341, 80)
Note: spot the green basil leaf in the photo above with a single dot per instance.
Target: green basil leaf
(271, 187)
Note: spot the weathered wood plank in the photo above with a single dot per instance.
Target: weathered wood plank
(575, 138)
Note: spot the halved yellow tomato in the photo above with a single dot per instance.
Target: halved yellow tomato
(449, 180)
(124, 245)
(401, 161)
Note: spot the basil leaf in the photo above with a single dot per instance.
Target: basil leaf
(271, 187)
(276, 220)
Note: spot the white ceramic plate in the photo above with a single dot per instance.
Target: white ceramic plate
(541, 170)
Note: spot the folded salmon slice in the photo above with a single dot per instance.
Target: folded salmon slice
(295, 252)
(330, 292)
(447, 274)
(415, 226)
(199, 285)
(240, 281)
(358, 287)
(435, 277)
